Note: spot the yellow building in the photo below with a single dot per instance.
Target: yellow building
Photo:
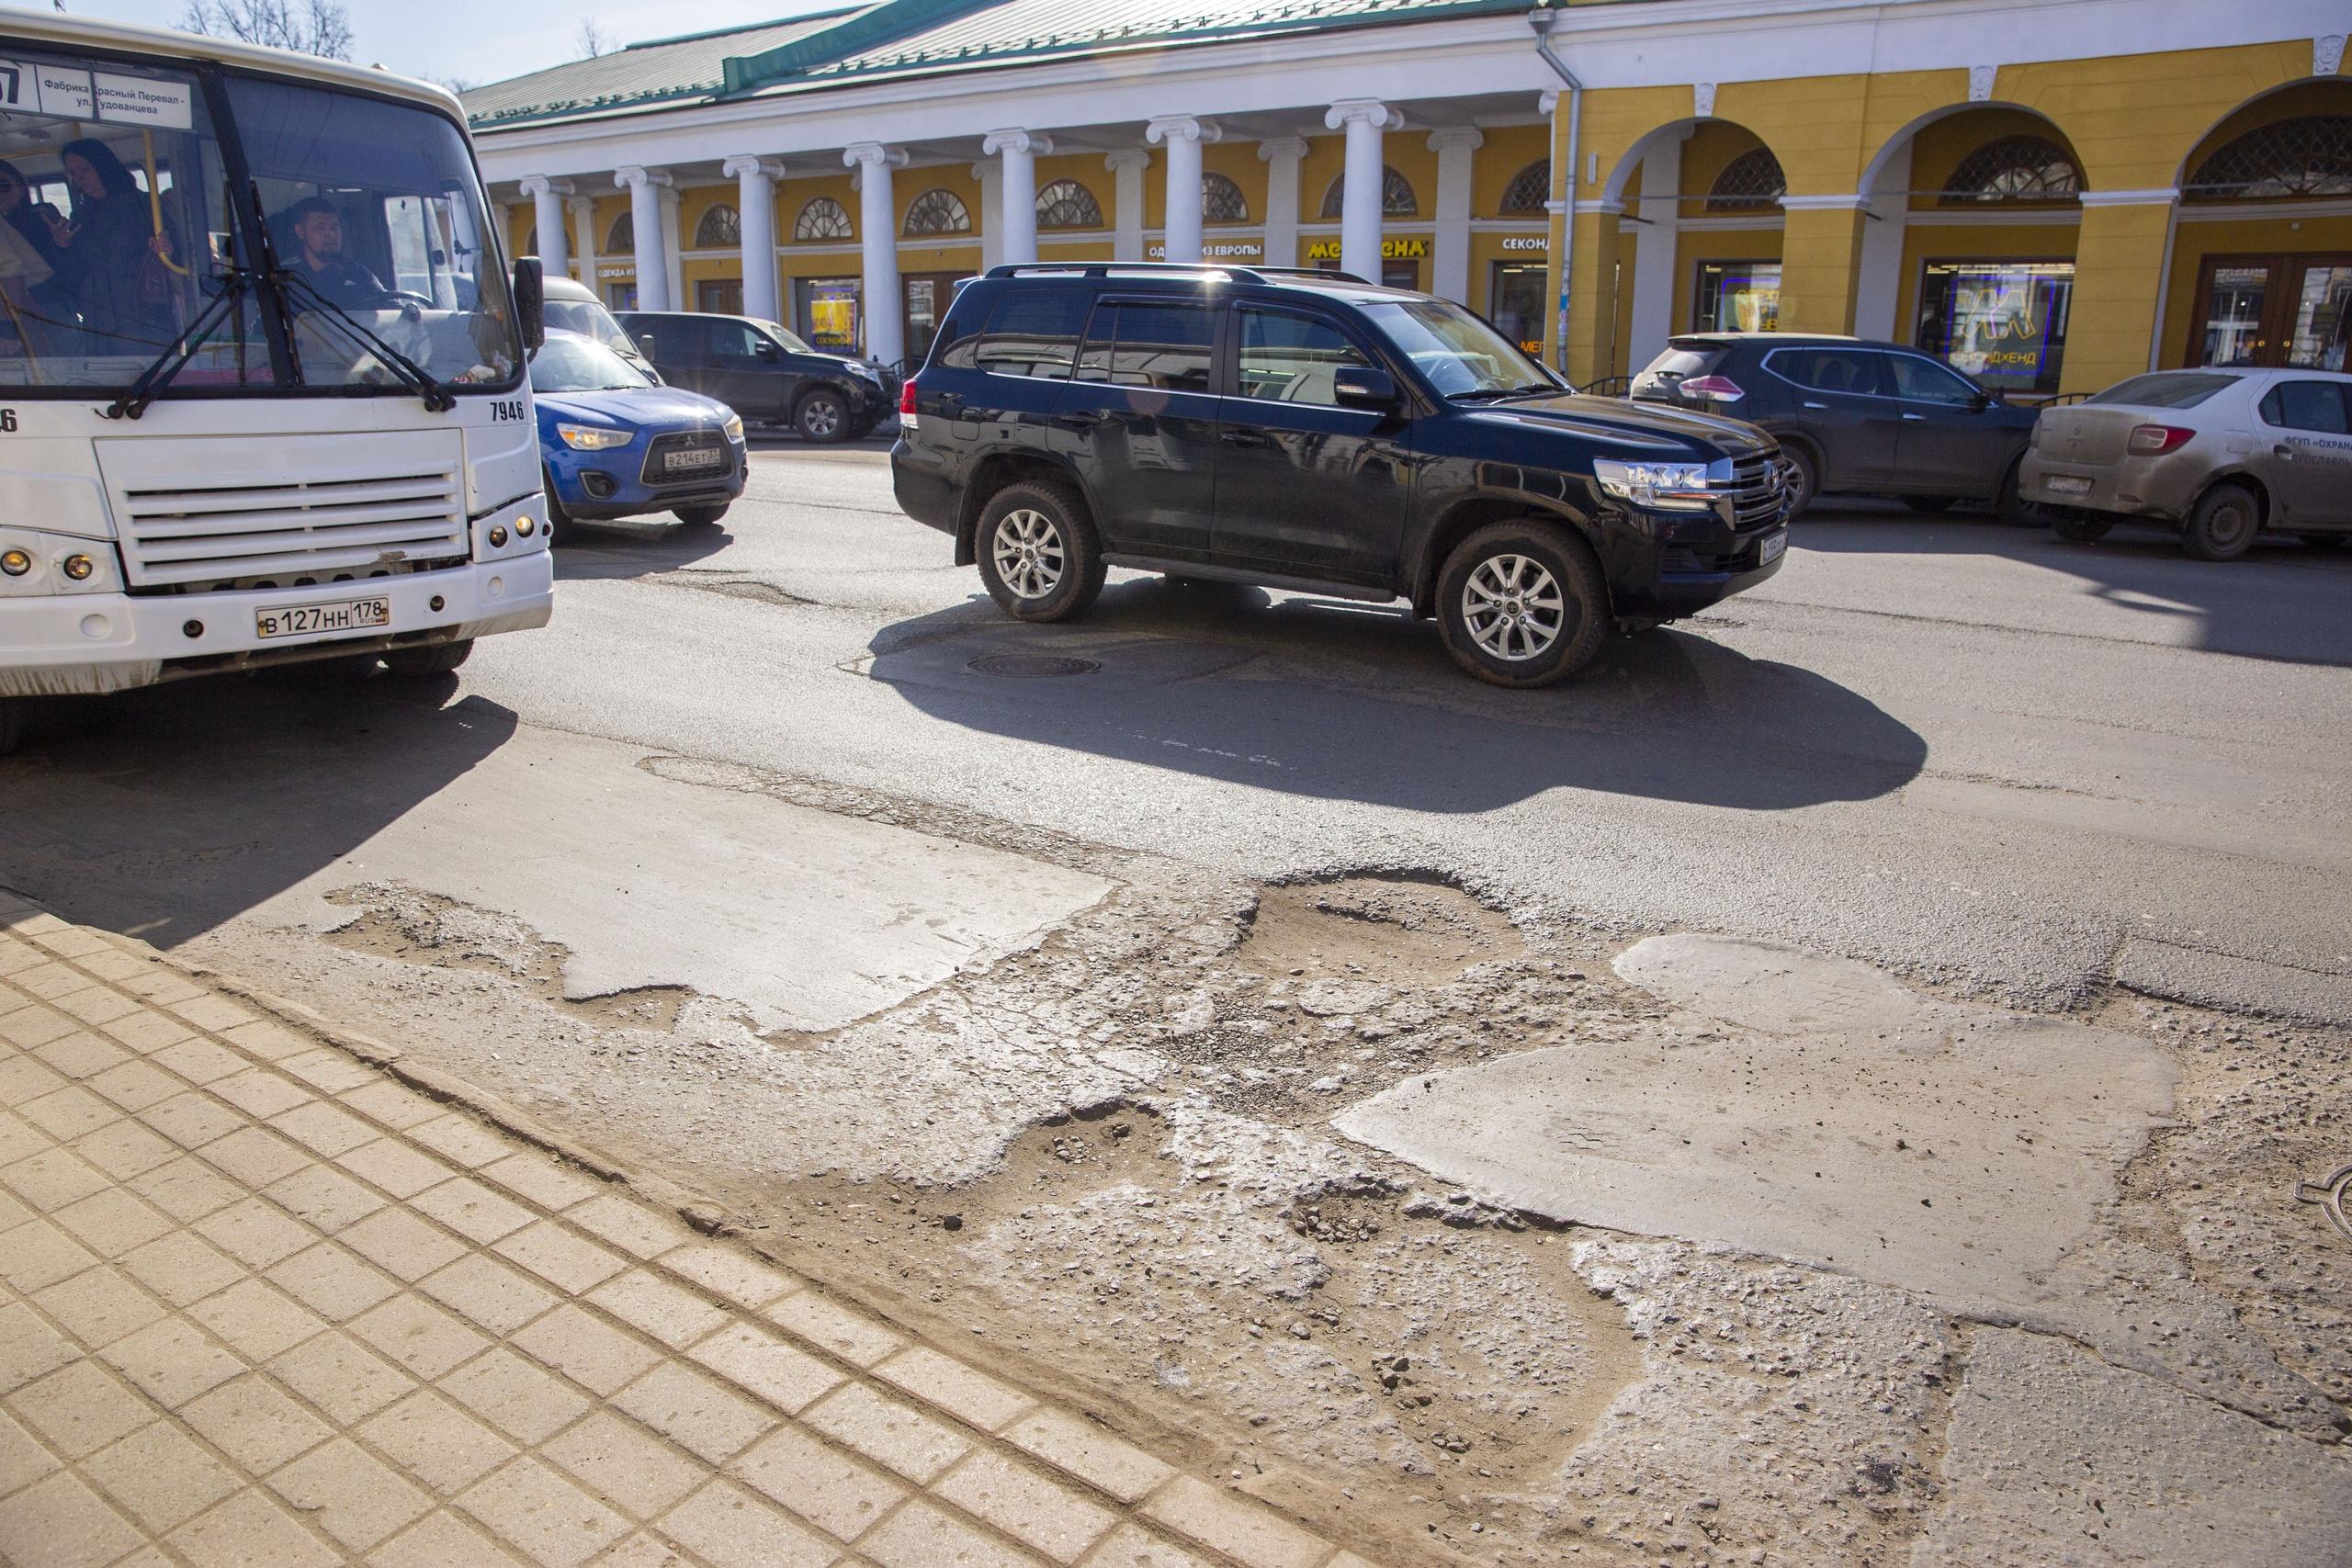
(2052, 195)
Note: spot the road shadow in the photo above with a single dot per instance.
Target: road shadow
(163, 813)
(591, 554)
(1339, 701)
(2285, 599)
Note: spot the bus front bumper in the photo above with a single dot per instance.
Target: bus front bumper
(86, 644)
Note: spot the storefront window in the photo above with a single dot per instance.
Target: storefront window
(2293, 311)
(719, 297)
(2233, 311)
(829, 316)
(1516, 303)
(2322, 320)
(1737, 297)
(928, 295)
(2004, 322)
(620, 296)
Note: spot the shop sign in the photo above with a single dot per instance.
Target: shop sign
(617, 269)
(1539, 242)
(1227, 250)
(1390, 250)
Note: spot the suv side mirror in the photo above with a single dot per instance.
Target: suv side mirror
(530, 302)
(1365, 387)
(765, 349)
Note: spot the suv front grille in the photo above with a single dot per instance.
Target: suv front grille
(657, 472)
(1757, 488)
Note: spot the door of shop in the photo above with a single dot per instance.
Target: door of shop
(2293, 311)
(719, 297)
(1515, 302)
(928, 295)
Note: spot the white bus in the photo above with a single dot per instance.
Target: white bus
(262, 369)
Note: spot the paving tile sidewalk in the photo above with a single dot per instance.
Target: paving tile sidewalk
(261, 1303)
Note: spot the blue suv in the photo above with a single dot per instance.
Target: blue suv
(616, 445)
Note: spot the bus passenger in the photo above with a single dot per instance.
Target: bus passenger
(113, 254)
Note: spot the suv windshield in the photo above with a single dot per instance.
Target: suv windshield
(784, 335)
(1462, 355)
(566, 362)
(121, 229)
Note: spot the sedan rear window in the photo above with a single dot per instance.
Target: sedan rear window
(2165, 390)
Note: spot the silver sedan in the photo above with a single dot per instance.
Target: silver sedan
(2222, 454)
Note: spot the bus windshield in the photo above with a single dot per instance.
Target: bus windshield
(129, 225)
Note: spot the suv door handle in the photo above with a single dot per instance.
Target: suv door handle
(1822, 406)
(1082, 418)
(1915, 418)
(1248, 438)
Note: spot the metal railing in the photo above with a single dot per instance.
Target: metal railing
(1608, 386)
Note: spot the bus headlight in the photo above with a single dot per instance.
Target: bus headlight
(34, 563)
(16, 563)
(79, 566)
(592, 437)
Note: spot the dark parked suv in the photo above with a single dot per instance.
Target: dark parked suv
(1854, 418)
(764, 373)
(1310, 431)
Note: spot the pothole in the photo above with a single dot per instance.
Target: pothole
(1031, 666)
(425, 928)
(1390, 931)
(732, 587)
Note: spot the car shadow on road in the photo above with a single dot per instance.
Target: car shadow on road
(1339, 701)
(591, 553)
(2283, 601)
(164, 812)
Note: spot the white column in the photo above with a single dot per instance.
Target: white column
(1878, 277)
(878, 228)
(547, 199)
(1450, 257)
(644, 188)
(1282, 156)
(1183, 135)
(1655, 244)
(1017, 190)
(585, 240)
(1365, 120)
(1126, 167)
(501, 223)
(755, 180)
(673, 263)
(989, 175)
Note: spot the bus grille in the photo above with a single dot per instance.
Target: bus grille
(303, 512)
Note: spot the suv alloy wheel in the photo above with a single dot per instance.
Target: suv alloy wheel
(1039, 557)
(821, 416)
(1522, 604)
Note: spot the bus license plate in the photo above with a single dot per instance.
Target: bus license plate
(1773, 545)
(304, 620)
(693, 457)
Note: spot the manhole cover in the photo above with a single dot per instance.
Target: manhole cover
(1032, 664)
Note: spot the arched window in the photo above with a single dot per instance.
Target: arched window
(2310, 155)
(1222, 201)
(621, 239)
(1396, 197)
(1065, 204)
(1750, 182)
(720, 226)
(823, 218)
(1529, 189)
(2014, 168)
(938, 212)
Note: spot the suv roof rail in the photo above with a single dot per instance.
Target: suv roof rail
(1192, 269)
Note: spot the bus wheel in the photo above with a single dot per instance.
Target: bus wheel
(437, 660)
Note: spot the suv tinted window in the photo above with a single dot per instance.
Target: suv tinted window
(1292, 359)
(2306, 405)
(1033, 333)
(1925, 382)
(1139, 343)
(1849, 370)
(1680, 362)
(729, 340)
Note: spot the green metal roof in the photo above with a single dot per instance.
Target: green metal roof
(920, 37)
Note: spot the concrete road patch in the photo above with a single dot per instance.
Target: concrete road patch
(1815, 1110)
(2056, 1460)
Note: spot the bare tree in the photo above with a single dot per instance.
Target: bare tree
(314, 26)
(457, 86)
(592, 40)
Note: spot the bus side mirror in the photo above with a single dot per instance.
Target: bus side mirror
(530, 302)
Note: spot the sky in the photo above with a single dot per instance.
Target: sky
(474, 43)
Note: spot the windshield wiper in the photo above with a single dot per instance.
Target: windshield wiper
(1493, 394)
(174, 357)
(437, 398)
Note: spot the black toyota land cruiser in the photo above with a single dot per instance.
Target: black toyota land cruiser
(1310, 431)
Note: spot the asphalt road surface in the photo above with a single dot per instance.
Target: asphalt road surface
(1975, 755)
(1867, 973)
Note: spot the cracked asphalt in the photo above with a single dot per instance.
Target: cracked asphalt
(1278, 1040)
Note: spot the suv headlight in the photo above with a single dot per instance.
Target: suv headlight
(865, 371)
(34, 563)
(734, 427)
(592, 437)
(1667, 487)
